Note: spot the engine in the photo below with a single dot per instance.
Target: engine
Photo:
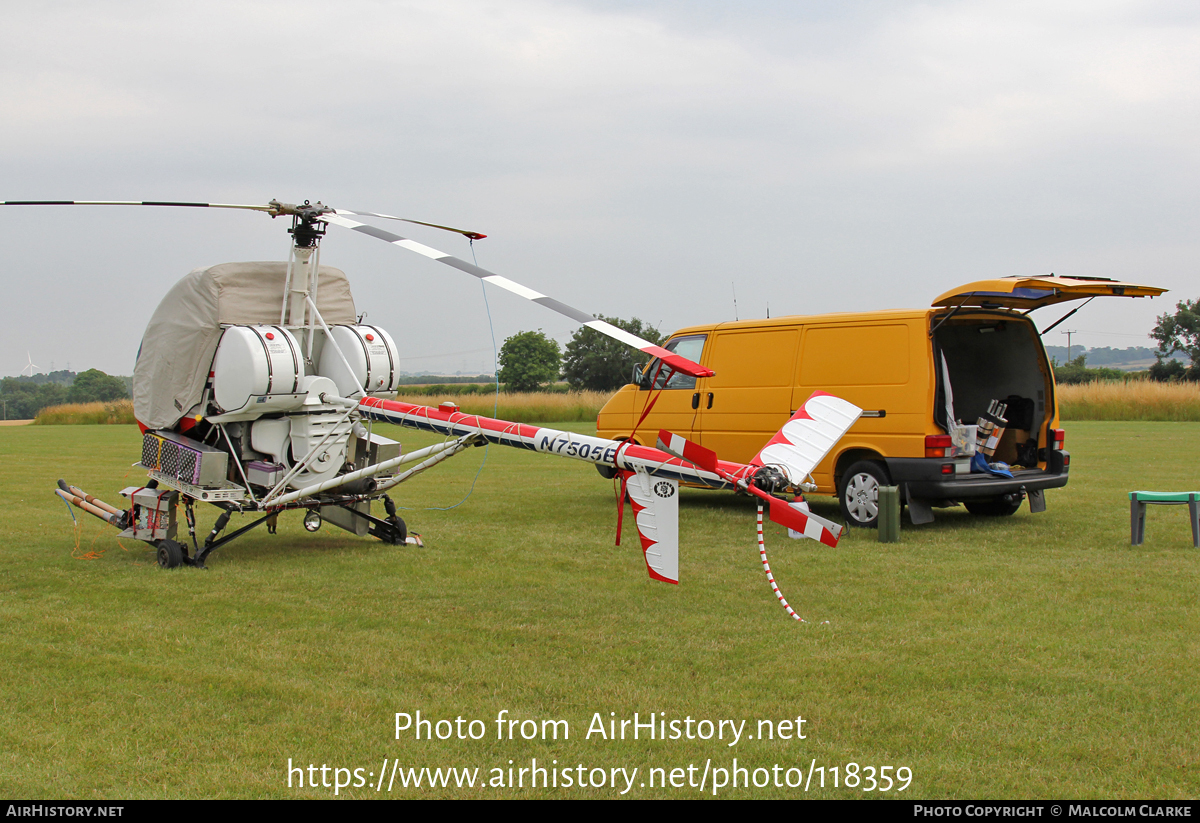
(265, 391)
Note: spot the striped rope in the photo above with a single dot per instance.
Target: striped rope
(762, 551)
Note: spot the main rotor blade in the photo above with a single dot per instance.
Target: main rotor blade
(675, 361)
(472, 235)
(267, 208)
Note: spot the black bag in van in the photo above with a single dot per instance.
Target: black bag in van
(1020, 412)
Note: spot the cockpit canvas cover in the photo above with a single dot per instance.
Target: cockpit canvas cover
(178, 347)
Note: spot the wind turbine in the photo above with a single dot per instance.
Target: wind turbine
(31, 366)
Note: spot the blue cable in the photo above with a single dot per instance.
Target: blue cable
(68, 505)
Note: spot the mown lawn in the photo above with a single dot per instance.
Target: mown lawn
(1033, 656)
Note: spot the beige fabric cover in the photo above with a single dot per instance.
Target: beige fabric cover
(179, 344)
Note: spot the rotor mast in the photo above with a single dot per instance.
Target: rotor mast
(304, 266)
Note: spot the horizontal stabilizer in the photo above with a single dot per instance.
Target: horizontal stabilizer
(804, 440)
(679, 446)
(656, 510)
(806, 523)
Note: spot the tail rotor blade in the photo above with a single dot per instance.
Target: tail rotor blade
(678, 446)
(807, 523)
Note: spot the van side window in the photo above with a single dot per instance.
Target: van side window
(691, 347)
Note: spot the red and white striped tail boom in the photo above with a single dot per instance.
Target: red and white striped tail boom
(624, 456)
(644, 467)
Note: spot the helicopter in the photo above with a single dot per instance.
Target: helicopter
(256, 388)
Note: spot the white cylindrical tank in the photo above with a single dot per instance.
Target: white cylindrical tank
(372, 357)
(253, 361)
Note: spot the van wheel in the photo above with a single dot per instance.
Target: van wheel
(1002, 506)
(858, 493)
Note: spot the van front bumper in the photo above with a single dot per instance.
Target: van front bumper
(924, 479)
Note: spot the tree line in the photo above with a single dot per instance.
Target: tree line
(21, 398)
(592, 361)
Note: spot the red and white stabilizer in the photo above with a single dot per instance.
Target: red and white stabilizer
(807, 437)
(803, 522)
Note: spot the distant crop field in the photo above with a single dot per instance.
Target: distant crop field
(117, 411)
(1036, 656)
(523, 407)
(1130, 400)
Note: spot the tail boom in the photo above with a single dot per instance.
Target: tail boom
(623, 455)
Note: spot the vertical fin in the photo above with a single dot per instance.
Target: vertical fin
(656, 511)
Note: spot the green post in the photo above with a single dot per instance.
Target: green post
(889, 514)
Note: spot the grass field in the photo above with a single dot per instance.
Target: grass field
(1034, 656)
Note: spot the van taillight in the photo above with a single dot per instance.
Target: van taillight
(1056, 437)
(938, 445)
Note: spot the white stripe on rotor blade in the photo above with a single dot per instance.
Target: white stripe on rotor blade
(420, 248)
(515, 288)
(618, 333)
(369, 214)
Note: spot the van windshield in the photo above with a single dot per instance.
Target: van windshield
(690, 347)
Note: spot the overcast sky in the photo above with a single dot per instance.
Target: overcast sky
(630, 159)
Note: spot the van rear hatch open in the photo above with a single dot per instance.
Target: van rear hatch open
(989, 350)
(1027, 293)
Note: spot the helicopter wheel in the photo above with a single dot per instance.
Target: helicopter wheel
(170, 554)
(399, 534)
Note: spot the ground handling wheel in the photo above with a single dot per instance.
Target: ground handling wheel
(170, 554)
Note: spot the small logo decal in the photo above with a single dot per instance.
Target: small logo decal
(664, 489)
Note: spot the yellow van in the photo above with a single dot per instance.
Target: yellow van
(895, 365)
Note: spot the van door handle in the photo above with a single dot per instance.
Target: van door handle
(696, 400)
(709, 406)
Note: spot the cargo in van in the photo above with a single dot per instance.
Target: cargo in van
(925, 378)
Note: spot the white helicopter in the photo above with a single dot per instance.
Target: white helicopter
(256, 387)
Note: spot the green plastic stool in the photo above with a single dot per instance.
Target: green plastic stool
(1137, 512)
